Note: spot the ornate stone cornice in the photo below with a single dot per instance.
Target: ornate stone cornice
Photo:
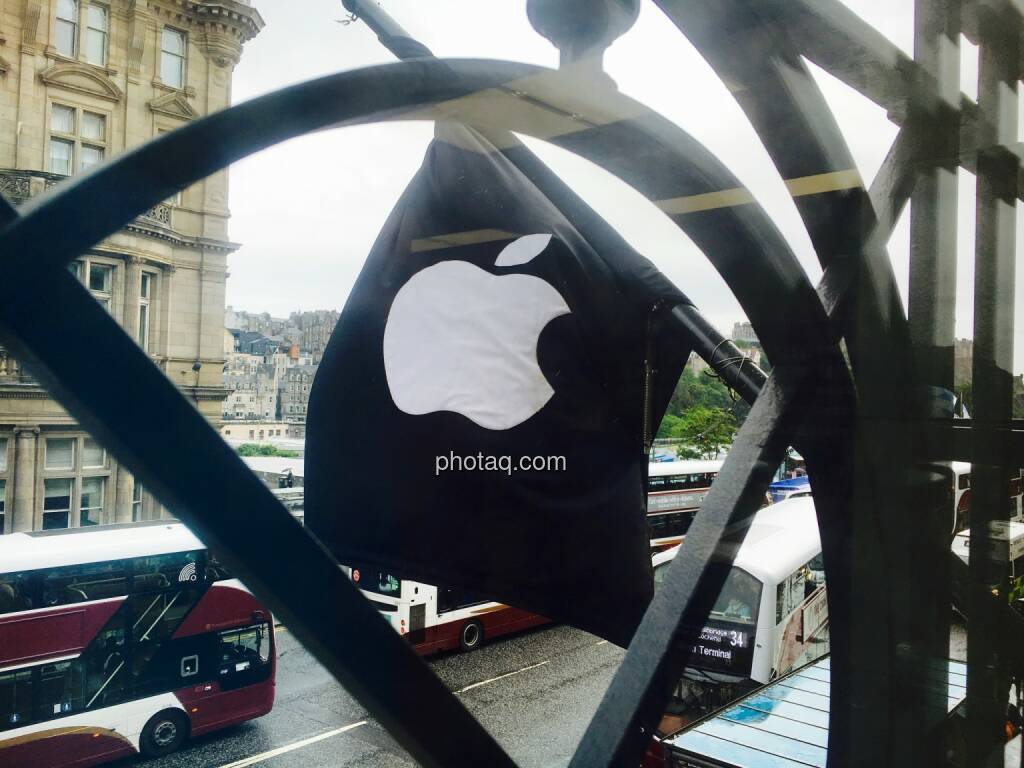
(223, 26)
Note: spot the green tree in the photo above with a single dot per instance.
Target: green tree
(256, 449)
(704, 431)
(701, 389)
(667, 425)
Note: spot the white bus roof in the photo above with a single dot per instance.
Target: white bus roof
(1011, 531)
(31, 551)
(782, 537)
(659, 468)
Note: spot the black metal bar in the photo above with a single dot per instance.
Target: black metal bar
(892, 186)
(935, 119)
(973, 441)
(724, 357)
(635, 700)
(773, 86)
(987, 676)
(388, 31)
(932, 292)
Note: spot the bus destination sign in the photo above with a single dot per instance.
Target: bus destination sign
(724, 646)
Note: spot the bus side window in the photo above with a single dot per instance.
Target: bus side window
(964, 482)
(214, 570)
(453, 599)
(60, 689)
(15, 699)
(17, 592)
(165, 571)
(244, 648)
(789, 594)
(80, 583)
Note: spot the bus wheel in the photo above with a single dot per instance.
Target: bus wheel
(164, 733)
(471, 636)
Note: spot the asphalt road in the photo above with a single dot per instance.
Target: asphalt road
(535, 692)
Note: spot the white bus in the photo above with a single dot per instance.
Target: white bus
(1012, 533)
(675, 491)
(960, 480)
(435, 619)
(772, 614)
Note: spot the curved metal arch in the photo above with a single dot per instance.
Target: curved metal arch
(154, 171)
(774, 87)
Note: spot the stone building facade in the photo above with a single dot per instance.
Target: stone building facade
(294, 387)
(316, 328)
(81, 81)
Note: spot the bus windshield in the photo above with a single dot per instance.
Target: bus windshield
(739, 599)
(370, 579)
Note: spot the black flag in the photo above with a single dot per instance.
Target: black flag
(481, 415)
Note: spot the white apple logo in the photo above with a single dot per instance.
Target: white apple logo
(461, 339)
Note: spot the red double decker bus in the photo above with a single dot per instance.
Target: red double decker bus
(123, 639)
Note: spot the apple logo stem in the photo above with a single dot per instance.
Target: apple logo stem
(460, 339)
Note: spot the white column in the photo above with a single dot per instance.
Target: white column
(24, 478)
(124, 493)
(132, 288)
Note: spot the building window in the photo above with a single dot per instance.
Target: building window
(137, 502)
(76, 475)
(145, 292)
(65, 28)
(91, 501)
(96, 35)
(94, 456)
(57, 503)
(98, 278)
(60, 453)
(100, 283)
(172, 58)
(78, 139)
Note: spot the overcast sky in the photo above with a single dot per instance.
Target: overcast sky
(307, 211)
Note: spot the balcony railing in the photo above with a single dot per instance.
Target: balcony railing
(19, 186)
(11, 371)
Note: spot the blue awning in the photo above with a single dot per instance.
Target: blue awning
(782, 725)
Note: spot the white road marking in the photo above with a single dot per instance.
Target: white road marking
(293, 746)
(501, 677)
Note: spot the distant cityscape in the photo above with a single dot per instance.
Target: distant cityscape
(269, 365)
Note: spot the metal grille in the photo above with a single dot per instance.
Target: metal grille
(849, 387)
